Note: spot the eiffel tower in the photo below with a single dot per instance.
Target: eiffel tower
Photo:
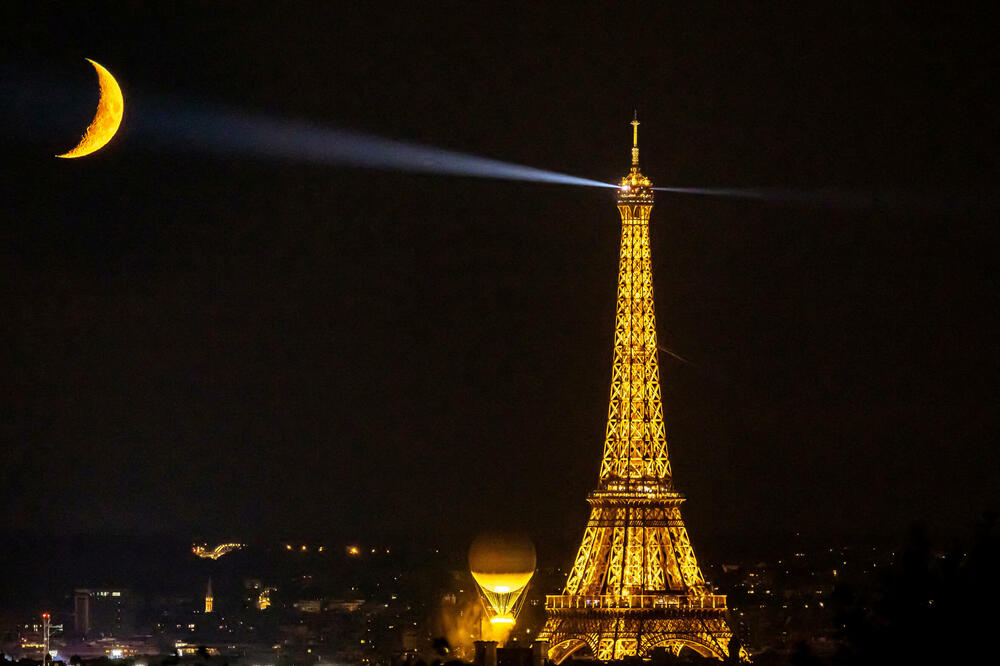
(635, 584)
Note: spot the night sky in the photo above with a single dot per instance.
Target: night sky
(227, 345)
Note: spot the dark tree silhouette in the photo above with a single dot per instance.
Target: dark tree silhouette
(930, 606)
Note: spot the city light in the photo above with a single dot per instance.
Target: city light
(202, 551)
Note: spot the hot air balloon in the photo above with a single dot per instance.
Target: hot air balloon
(502, 565)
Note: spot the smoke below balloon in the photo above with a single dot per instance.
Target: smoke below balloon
(462, 621)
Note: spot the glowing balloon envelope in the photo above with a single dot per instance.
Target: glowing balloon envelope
(502, 565)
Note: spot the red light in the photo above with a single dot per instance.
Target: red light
(45, 616)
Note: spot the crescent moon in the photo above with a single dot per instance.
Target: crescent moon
(110, 108)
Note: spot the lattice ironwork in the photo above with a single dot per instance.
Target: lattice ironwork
(635, 584)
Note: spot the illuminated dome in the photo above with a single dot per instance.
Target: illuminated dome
(635, 189)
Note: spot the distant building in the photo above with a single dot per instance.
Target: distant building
(258, 595)
(345, 605)
(103, 612)
(308, 605)
(208, 597)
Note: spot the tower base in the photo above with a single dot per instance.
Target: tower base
(614, 633)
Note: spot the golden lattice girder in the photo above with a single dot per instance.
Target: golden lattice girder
(635, 583)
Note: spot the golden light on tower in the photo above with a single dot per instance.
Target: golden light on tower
(635, 584)
(107, 119)
(502, 565)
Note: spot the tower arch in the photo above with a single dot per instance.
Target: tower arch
(569, 647)
(675, 643)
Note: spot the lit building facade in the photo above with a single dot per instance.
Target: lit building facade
(103, 612)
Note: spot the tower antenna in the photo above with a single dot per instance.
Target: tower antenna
(635, 138)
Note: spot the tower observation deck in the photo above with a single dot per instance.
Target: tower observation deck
(635, 584)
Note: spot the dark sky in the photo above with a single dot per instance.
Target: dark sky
(225, 345)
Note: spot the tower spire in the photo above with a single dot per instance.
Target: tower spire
(208, 596)
(635, 138)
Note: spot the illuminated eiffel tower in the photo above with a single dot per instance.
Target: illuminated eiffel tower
(635, 584)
